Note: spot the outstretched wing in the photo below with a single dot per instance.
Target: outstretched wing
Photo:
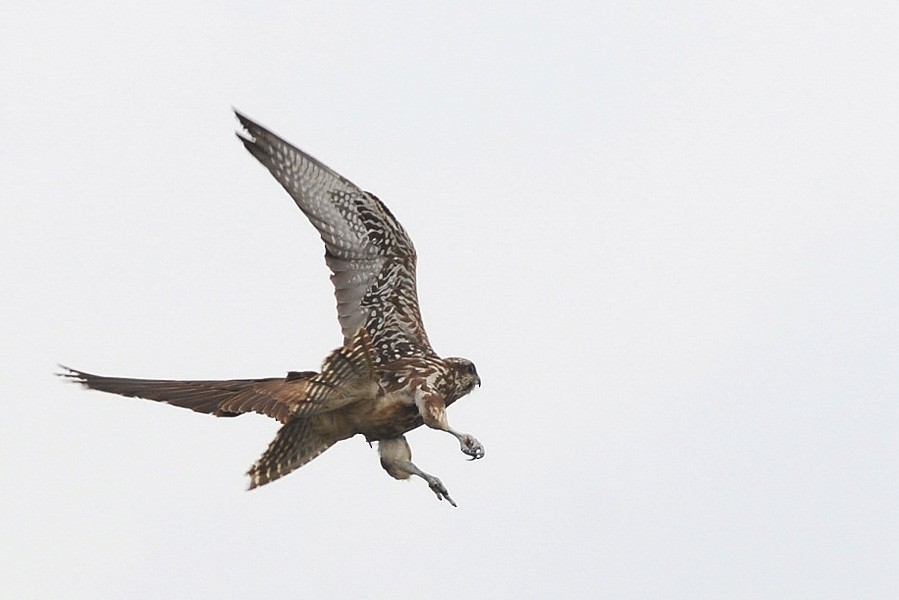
(370, 255)
(348, 374)
(275, 397)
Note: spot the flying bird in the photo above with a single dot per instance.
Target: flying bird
(383, 382)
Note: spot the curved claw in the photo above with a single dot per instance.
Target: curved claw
(473, 448)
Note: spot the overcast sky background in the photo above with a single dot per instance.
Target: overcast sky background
(665, 232)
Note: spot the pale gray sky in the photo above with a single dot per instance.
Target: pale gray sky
(665, 232)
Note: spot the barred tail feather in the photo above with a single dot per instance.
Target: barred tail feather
(296, 444)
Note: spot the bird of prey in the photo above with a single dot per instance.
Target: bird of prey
(384, 381)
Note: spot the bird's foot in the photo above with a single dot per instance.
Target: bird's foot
(472, 447)
(438, 488)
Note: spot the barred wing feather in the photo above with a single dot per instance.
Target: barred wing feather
(371, 257)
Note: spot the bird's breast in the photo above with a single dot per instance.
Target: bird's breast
(388, 416)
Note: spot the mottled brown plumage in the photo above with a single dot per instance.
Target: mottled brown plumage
(384, 381)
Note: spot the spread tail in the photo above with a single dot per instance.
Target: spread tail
(295, 445)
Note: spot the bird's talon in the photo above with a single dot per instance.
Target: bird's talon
(438, 488)
(472, 448)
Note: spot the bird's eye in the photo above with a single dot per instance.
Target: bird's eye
(471, 369)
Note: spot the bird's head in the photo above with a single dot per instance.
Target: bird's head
(464, 376)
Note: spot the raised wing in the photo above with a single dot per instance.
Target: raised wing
(370, 255)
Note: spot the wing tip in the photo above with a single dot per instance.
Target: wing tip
(73, 375)
(253, 137)
(244, 120)
(253, 129)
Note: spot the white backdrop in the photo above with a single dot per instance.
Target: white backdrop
(665, 232)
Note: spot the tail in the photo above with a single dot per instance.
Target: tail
(348, 375)
(296, 444)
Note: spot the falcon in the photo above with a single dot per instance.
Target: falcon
(383, 382)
